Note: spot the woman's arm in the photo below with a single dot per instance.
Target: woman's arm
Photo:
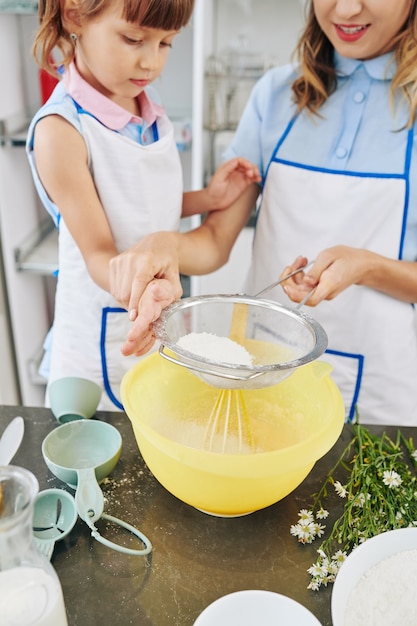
(166, 254)
(206, 248)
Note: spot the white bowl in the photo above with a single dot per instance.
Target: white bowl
(254, 606)
(361, 559)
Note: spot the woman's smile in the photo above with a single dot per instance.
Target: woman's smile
(352, 32)
(362, 30)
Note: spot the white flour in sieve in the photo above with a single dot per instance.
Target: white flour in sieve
(386, 594)
(215, 348)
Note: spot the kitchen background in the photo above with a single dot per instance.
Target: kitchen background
(210, 72)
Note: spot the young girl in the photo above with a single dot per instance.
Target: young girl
(334, 139)
(107, 168)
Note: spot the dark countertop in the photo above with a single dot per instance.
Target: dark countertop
(196, 558)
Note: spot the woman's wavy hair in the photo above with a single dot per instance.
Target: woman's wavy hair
(318, 78)
(52, 35)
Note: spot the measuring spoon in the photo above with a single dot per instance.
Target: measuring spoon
(11, 439)
(82, 454)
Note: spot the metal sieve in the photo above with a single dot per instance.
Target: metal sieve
(280, 339)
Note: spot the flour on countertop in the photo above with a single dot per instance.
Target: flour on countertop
(215, 348)
(386, 594)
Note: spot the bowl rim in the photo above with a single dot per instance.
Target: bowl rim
(77, 425)
(255, 595)
(316, 329)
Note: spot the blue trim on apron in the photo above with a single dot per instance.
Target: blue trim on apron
(155, 131)
(361, 361)
(325, 170)
(104, 313)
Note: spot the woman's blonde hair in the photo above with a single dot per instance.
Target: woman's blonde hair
(52, 34)
(318, 78)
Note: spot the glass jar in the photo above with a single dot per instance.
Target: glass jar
(30, 591)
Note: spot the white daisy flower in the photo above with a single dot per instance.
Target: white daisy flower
(392, 479)
(340, 489)
(319, 529)
(339, 557)
(318, 570)
(306, 516)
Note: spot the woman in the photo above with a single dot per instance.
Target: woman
(334, 140)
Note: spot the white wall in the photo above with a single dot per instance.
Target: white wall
(270, 26)
(175, 85)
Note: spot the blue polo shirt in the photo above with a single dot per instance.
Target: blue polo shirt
(358, 130)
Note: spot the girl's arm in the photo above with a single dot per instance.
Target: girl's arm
(226, 185)
(61, 162)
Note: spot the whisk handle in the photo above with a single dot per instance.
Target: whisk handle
(205, 370)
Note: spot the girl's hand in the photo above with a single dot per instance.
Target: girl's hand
(229, 181)
(131, 272)
(156, 296)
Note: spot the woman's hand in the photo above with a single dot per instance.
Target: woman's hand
(229, 181)
(337, 268)
(132, 272)
(332, 272)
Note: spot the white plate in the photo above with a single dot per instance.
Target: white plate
(255, 607)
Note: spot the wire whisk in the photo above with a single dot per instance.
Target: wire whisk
(228, 429)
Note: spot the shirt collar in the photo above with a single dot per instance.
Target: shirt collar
(379, 68)
(105, 110)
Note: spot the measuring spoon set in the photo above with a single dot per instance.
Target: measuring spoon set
(80, 452)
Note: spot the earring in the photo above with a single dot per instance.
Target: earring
(74, 37)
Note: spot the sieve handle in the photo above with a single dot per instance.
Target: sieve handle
(283, 279)
(206, 370)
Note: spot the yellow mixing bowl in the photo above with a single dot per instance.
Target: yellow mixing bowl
(294, 423)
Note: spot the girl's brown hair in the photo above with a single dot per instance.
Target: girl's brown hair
(52, 34)
(318, 78)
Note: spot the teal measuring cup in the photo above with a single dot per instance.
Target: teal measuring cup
(54, 516)
(82, 453)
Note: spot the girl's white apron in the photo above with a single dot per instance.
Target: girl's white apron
(140, 188)
(372, 337)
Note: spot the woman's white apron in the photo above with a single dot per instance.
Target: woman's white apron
(372, 337)
(140, 188)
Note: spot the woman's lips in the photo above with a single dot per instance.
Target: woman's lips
(351, 32)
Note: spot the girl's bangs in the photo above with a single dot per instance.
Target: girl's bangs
(162, 14)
